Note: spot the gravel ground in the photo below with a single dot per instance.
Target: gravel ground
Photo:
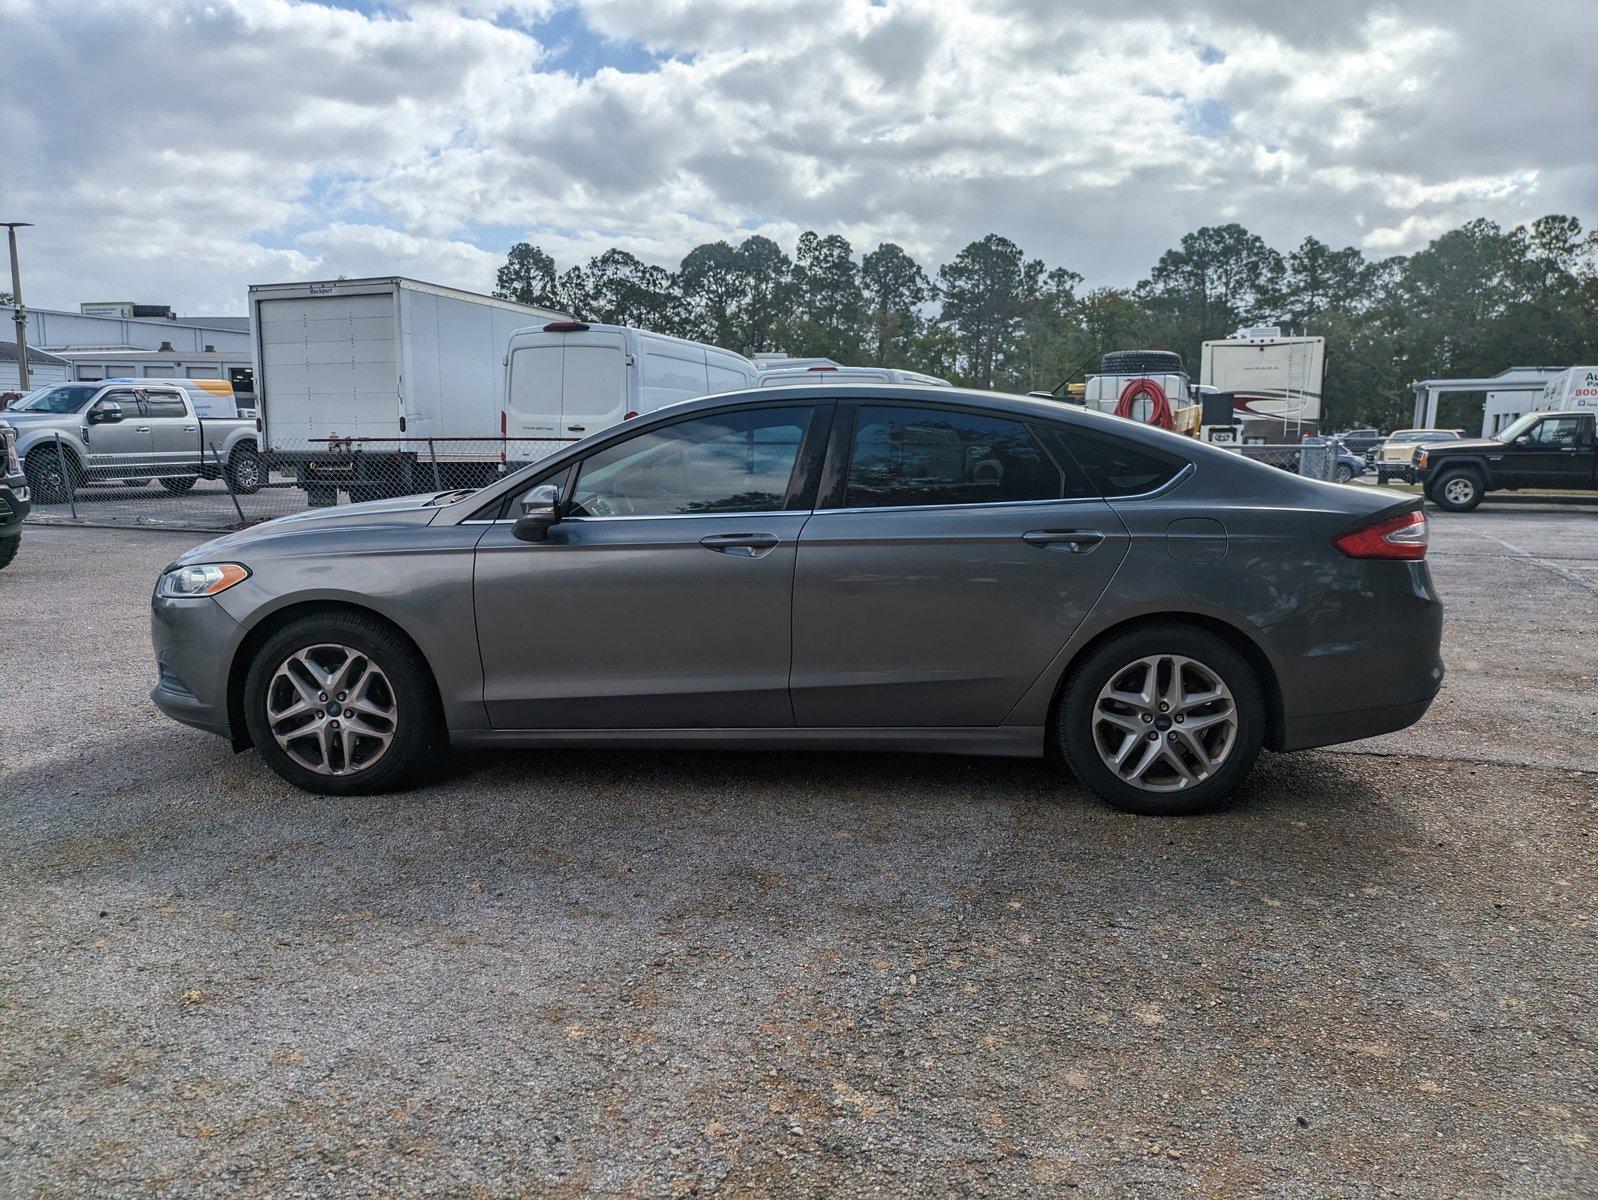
(661, 974)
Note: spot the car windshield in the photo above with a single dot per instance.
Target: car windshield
(59, 398)
(1518, 426)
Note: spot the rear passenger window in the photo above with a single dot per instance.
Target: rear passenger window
(1117, 468)
(913, 456)
(164, 404)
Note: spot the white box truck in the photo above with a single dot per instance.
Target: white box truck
(395, 370)
(1574, 390)
(1275, 382)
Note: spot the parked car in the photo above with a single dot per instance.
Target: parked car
(1362, 442)
(70, 434)
(834, 374)
(1393, 459)
(1553, 450)
(1347, 466)
(890, 567)
(14, 500)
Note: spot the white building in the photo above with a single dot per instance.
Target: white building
(57, 329)
(42, 368)
(1509, 394)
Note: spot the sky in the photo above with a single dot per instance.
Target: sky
(175, 151)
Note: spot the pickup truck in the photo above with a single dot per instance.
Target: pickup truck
(13, 495)
(132, 432)
(1553, 450)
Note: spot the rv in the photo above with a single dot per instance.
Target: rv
(1274, 381)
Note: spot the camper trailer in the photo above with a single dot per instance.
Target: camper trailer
(1274, 381)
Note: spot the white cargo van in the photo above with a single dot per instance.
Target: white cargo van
(828, 373)
(568, 379)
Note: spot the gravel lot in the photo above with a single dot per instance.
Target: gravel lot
(662, 974)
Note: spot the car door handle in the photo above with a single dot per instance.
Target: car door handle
(1077, 541)
(576, 429)
(741, 545)
(191, 429)
(141, 429)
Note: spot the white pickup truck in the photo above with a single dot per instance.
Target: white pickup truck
(70, 434)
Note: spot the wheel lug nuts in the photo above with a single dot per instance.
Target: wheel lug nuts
(335, 724)
(341, 695)
(349, 712)
(1153, 737)
(1164, 707)
(1179, 719)
(1147, 718)
(1171, 737)
(321, 695)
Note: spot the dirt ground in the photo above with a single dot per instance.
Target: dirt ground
(685, 973)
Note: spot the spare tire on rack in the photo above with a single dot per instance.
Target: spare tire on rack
(1140, 362)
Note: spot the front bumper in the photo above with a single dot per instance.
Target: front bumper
(194, 643)
(15, 502)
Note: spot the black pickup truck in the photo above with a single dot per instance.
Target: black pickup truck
(14, 504)
(1552, 450)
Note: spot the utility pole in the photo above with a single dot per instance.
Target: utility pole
(20, 314)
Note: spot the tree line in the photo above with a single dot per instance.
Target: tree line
(1477, 299)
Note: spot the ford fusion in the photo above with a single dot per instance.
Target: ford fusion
(844, 568)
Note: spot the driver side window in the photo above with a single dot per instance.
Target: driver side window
(126, 401)
(727, 462)
(1556, 431)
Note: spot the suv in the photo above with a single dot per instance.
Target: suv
(1393, 460)
(1553, 450)
(14, 504)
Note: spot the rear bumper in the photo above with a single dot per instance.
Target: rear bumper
(1331, 729)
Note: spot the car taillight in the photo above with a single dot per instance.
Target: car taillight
(1403, 536)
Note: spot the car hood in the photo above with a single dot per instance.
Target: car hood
(23, 419)
(370, 514)
(1471, 444)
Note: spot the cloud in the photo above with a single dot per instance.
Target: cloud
(177, 150)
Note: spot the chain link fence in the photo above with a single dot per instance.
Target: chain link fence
(234, 486)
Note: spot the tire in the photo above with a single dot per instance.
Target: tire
(1343, 474)
(1140, 362)
(178, 484)
(245, 470)
(45, 478)
(8, 549)
(1083, 728)
(1382, 476)
(416, 744)
(1457, 490)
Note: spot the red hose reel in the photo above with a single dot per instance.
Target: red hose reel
(1160, 407)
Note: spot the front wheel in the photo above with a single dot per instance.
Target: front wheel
(343, 705)
(1344, 473)
(1459, 490)
(47, 472)
(1164, 720)
(8, 549)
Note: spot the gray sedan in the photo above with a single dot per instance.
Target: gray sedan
(851, 567)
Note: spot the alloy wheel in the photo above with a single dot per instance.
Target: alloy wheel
(331, 709)
(1164, 723)
(1459, 490)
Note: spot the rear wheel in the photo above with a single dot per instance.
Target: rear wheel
(1344, 473)
(8, 549)
(1163, 720)
(245, 470)
(1459, 490)
(178, 484)
(343, 705)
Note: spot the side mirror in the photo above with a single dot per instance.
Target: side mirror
(540, 510)
(1523, 440)
(107, 412)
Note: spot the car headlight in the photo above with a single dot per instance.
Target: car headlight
(203, 579)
